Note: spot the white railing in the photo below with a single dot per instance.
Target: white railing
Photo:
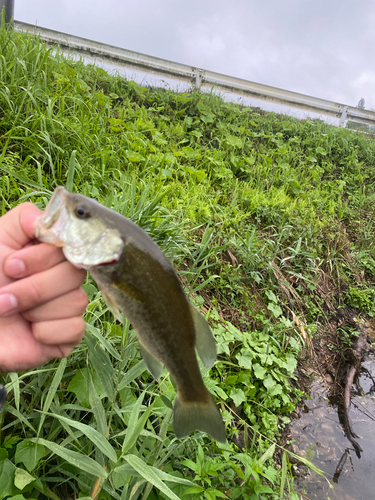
(119, 57)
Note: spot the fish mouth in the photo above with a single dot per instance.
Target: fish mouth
(86, 242)
(54, 218)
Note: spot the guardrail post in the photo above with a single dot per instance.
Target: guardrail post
(197, 76)
(343, 116)
(8, 6)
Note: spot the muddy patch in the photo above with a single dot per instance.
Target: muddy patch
(319, 435)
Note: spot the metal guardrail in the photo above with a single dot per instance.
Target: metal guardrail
(198, 77)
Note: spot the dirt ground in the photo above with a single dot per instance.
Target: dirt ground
(328, 357)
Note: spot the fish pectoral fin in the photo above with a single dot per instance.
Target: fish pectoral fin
(112, 306)
(204, 340)
(197, 415)
(155, 367)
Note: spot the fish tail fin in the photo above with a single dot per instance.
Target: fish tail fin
(197, 415)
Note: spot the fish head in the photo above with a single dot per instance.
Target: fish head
(82, 227)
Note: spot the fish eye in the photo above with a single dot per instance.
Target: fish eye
(82, 212)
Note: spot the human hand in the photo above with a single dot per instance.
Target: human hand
(41, 301)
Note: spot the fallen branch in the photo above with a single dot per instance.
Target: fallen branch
(359, 349)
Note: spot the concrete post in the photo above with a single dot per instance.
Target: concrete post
(197, 78)
(343, 116)
(8, 5)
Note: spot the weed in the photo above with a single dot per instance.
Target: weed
(262, 215)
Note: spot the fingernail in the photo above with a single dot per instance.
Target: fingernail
(15, 267)
(8, 303)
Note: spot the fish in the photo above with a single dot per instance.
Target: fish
(136, 279)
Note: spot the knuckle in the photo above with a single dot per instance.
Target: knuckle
(75, 331)
(81, 299)
(78, 328)
(65, 350)
(61, 332)
(37, 331)
(50, 255)
(29, 315)
(81, 275)
(26, 207)
(35, 293)
(74, 277)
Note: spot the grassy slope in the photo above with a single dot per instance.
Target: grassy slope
(267, 219)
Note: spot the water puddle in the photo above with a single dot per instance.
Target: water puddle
(319, 425)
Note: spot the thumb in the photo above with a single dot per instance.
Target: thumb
(17, 227)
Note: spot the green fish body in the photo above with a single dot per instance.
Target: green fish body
(136, 278)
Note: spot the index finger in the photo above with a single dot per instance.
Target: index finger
(32, 259)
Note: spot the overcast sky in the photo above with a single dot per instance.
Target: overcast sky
(323, 48)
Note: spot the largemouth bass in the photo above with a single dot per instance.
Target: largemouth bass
(136, 278)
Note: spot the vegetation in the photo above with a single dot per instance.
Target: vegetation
(269, 222)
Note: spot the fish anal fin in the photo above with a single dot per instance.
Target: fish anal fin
(203, 416)
(155, 367)
(112, 306)
(204, 340)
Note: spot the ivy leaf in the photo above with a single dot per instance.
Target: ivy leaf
(275, 309)
(232, 140)
(269, 382)
(192, 490)
(6, 479)
(29, 454)
(166, 173)
(133, 156)
(277, 389)
(245, 359)
(22, 479)
(80, 386)
(237, 395)
(321, 151)
(291, 363)
(271, 296)
(259, 371)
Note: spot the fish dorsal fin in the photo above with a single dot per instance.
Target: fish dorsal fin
(112, 306)
(155, 367)
(204, 340)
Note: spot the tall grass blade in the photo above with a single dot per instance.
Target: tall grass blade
(135, 428)
(102, 365)
(95, 437)
(79, 460)
(52, 391)
(97, 408)
(150, 474)
(134, 372)
(284, 470)
(71, 171)
(24, 180)
(16, 388)
(103, 341)
(268, 454)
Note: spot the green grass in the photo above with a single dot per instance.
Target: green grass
(256, 211)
